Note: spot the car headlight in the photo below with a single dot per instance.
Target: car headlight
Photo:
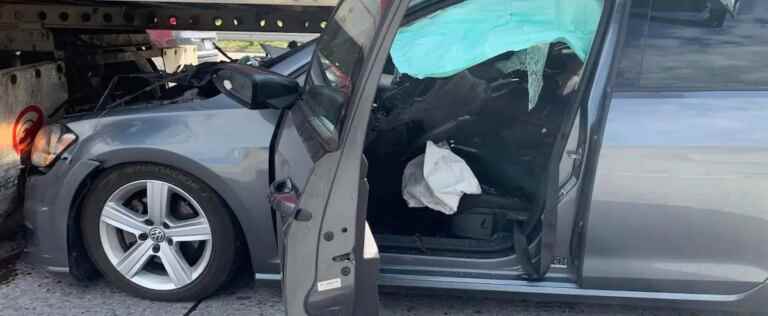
(50, 142)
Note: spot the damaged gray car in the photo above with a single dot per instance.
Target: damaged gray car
(574, 150)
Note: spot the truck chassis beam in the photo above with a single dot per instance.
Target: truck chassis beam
(173, 16)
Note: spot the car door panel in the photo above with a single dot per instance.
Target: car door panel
(338, 257)
(679, 201)
(329, 258)
(298, 280)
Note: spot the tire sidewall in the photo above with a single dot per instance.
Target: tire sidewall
(223, 238)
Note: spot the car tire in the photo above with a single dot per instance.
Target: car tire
(145, 260)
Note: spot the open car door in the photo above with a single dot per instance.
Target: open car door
(319, 191)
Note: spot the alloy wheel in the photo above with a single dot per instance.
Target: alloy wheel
(155, 234)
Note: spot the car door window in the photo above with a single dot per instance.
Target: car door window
(336, 67)
(695, 45)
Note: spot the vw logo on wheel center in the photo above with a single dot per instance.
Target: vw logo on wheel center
(156, 235)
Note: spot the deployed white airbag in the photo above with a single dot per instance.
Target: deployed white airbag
(437, 179)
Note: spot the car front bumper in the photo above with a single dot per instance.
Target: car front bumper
(48, 201)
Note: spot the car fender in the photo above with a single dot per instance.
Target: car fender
(228, 149)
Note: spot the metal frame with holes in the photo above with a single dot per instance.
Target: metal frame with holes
(139, 16)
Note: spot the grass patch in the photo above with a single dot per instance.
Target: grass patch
(251, 47)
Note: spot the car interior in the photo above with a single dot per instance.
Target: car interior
(483, 115)
(506, 108)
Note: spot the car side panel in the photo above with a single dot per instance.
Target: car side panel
(679, 202)
(225, 146)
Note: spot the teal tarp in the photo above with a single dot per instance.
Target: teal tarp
(466, 34)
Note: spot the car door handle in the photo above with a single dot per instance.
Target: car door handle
(284, 199)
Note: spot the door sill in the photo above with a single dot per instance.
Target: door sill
(549, 287)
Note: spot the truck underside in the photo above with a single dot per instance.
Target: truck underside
(98, 40)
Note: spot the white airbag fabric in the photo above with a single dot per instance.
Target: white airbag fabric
(437, 180)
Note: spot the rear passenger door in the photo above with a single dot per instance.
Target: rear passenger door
(680, 201)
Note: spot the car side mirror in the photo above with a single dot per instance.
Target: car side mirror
(257, 88)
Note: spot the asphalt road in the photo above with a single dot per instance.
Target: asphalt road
(27, 290)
